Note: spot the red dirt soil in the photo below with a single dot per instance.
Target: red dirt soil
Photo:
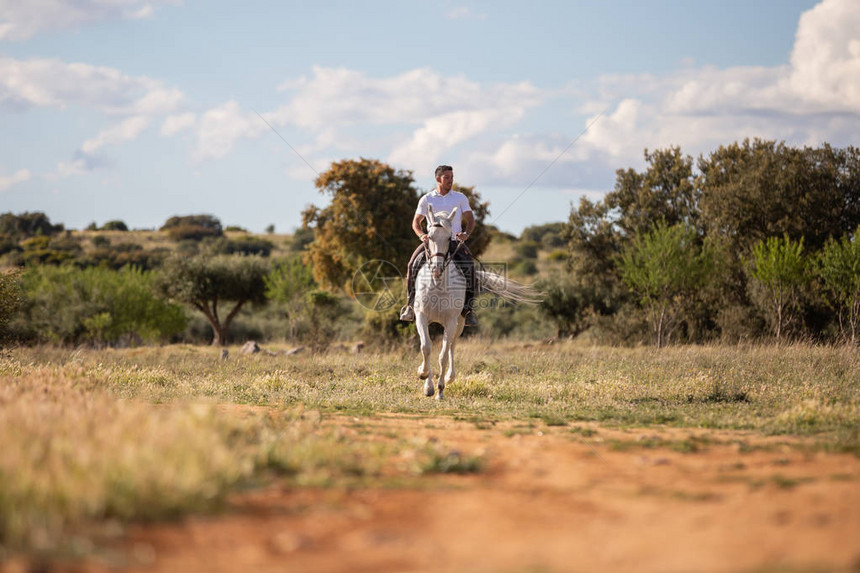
(548, 499)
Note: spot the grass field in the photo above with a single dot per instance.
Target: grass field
(94, 439)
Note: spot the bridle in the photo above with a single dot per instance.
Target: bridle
(446, 255)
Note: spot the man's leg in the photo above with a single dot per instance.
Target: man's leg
(466, 263)
(407, 313)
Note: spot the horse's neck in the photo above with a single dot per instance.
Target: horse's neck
(452, 277)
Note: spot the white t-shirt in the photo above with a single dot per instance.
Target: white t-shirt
(447, 203)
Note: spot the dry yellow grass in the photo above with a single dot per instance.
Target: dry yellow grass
(99, 437)
(77, 459)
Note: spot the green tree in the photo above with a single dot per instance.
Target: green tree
(288, 284)
(323, 308)
(193, 227)
(598, 232)
(665, 267)
(838, 267)
(368, 218)
(115, 225)
(302, 237)
(11, 297)
(758, 189)
(206, 283)
(28, 225)
(98, 305)
(481, 236)
(664, 192)
(45, 250)
(779, 272)
(564, 303)
(549, 234)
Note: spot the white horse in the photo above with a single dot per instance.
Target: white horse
(440, 292)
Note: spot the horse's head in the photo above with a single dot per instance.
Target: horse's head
(439, 231)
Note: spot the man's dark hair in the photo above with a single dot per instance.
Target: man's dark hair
(442, 169)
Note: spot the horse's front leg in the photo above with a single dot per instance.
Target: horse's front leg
(446, 356)
(458, 330)
(424, 370)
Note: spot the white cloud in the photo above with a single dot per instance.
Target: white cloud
(68, 168)
(20, 20)
(124, 131)
(422, 113)
(32, 83)
(145, 11)
(464, 13)
(51, 83)
(442, 132)
(815, 98)
(338, 96)
(220, 128)
(20, 176)
(174, 124)
(429, 112)
(826, 58)
(81, 164)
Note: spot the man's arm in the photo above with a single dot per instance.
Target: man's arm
(468, 225)
(416, 226)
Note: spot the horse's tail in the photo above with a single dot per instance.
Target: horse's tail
(507, 288)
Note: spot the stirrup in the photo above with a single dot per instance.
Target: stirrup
(407, 314)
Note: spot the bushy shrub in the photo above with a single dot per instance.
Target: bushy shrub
(194, 227)
(549, 234)
(247, 245)
(8, 244)
(46, 250)
(191, 232)
(501, 319)
(527, 249)
(384, 329)
(120, 255)
(100, 241)
(115, 225)
(526, 268)
(303, 237)
(11, 298)
(28, 225)
(67, 305)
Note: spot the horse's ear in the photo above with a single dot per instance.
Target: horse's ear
(430, 216)
(453, 214)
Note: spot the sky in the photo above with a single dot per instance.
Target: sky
(140, 110)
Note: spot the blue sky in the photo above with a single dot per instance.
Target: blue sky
(141, 110)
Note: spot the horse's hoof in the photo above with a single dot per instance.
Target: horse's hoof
(428, 392)
(422, 376)
(440, 396)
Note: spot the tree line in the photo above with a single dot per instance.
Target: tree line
(754, 240)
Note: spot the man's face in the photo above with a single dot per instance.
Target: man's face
(445, 181)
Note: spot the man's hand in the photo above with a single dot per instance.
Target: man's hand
(462, 236)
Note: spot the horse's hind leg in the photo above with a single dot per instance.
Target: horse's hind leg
(446, 358)
(424, 370)
(458, 329)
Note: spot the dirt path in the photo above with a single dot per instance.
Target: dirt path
(549, 499)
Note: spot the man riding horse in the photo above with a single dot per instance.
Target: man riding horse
(444, 199)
